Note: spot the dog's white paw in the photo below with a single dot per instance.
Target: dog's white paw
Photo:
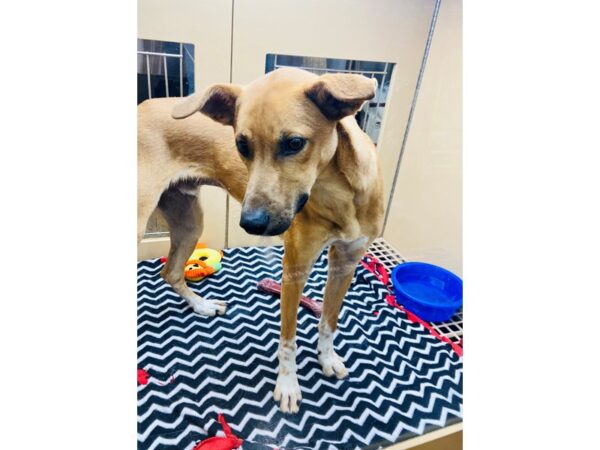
(209, 307)
(287, 393)
(332, 364)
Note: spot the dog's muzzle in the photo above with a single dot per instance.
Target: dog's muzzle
(255, 221)
(258, 220)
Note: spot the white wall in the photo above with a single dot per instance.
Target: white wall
(425, 221)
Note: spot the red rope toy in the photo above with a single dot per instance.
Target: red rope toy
(377, 268)
(229, 442)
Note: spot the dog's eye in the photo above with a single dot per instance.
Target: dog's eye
(292, 145)
(243, 148)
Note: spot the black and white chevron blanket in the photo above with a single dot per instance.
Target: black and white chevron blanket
(402, 381)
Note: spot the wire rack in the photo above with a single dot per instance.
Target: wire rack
(390, 258)
(155, 57)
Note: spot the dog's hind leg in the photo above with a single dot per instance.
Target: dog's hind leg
(342, 264)
(182, 211)
(148, 197)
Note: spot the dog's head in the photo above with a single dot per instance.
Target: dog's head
(285, 131)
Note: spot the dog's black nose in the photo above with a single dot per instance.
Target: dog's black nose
(254, 221)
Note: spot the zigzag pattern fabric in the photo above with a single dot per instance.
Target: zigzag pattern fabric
(402, 381)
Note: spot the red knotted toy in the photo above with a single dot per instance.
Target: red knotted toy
(229, 442)
(143, 376)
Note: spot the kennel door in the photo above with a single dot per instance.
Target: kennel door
(205, 26)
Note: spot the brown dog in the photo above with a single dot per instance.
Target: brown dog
(288, 147)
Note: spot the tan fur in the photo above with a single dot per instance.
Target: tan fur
(339, 167)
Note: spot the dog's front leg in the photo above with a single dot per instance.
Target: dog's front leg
(342, 264)
(300, 254)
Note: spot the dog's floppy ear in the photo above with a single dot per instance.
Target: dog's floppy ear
(217, 102)
(341, 94)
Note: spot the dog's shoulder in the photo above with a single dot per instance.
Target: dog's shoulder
(357, 156)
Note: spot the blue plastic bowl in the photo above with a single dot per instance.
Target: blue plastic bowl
(432, 293)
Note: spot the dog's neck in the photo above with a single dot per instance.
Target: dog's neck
(347, 191)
